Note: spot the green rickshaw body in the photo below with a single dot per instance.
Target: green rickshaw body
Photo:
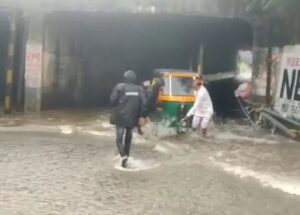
(175, 111)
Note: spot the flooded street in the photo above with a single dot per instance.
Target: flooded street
(70, 69)
(68, 165)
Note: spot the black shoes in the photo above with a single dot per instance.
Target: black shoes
(124, 162)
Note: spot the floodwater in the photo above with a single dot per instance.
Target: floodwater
(64, 163)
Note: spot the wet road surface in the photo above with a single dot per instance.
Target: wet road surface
(74, 173)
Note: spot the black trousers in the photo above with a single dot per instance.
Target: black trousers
(124, 138)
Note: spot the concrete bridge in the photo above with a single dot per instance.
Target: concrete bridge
(77, 50)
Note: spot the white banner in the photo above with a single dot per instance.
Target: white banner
(288, 89)
(33, 71)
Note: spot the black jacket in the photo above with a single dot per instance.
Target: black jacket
(129, 104)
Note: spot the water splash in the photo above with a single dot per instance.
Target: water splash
(66, 129)
(287, 185)
(136, 165)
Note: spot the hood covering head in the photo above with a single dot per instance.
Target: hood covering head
(129, 77)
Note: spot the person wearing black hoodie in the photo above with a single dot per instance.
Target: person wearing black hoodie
(129, 110)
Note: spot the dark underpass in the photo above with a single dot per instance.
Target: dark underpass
(87, 53)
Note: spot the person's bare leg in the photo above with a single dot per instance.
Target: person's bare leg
(204, 125)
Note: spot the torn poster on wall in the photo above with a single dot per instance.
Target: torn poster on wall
(260, 74)
(33, 69)
(288, 89)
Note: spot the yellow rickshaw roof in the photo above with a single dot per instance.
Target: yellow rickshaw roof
(182, 99)
(181, 74)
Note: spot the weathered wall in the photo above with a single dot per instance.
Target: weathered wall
(224, 8)
(260, 74)
(36, 10)
(4, 32)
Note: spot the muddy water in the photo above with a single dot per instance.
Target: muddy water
(72, 168)
(272, 160)
(240, 150)
(76, 173)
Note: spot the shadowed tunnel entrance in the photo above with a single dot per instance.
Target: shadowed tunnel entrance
(87, 53)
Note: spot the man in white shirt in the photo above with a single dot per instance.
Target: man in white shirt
(202, 109)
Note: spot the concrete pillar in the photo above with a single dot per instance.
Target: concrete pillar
(10, 64)
(34, 64)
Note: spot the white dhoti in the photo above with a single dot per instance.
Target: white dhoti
(201, 121)
(202, 109)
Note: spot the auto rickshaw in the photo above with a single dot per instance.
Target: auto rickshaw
(177, 97)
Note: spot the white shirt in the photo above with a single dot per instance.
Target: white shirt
(203, 105)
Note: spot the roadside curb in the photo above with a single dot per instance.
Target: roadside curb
(58, 129)
(30, 128)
